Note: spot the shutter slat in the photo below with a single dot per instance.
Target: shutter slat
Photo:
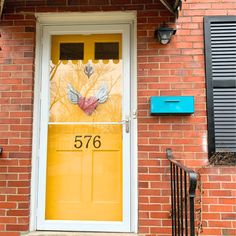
(226, 135)
(230, 71)
(224, 24)
(223, 57)
(232, 138)
(228, 66)
(214, 43)
(220, 63)
(223, 76)
(230, 53)
(224, 39)
(226, 115)
(223, 92)
(223, 45)
(225, 60)
(219, 48)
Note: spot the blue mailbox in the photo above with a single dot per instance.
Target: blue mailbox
(164, 105)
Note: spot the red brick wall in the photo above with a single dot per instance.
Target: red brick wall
(173, 69)
(218, 202)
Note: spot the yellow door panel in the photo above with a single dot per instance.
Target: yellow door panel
(107, 166)
(84, 172)
(89, 45)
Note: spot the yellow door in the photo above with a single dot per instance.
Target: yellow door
(84, 149)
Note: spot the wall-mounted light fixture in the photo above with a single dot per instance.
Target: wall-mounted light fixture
(163, 34)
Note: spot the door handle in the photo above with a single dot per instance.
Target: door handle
(126, 122)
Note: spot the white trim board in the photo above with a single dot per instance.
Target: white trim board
(81, 19)
(47, 233)
(63, 18)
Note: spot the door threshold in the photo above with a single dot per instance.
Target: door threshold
(57, 233)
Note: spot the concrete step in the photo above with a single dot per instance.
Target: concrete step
(52, 233)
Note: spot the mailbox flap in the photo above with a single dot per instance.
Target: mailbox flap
(171, 105)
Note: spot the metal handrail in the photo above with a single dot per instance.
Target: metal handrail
(182, 201)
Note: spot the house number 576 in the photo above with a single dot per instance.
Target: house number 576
(87, 140)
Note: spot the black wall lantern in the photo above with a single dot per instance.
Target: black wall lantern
(164, 34)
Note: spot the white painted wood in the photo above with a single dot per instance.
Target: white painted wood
(65, 18)
(126, 110)
(134, 128)
(51, 233)
(36, 127)
(48, 22)
(44, 118)
(86, 123)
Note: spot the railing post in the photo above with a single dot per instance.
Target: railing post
(180, 196)
(192, 190)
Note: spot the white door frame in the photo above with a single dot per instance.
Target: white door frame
(120, 22)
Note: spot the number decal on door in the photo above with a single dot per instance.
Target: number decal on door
(87, 141)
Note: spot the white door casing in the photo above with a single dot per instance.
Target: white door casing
(40, 123)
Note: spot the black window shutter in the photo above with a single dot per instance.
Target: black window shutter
(220, 57)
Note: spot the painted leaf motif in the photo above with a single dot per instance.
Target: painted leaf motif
(88, 70)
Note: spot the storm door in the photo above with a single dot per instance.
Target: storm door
(84, 180)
